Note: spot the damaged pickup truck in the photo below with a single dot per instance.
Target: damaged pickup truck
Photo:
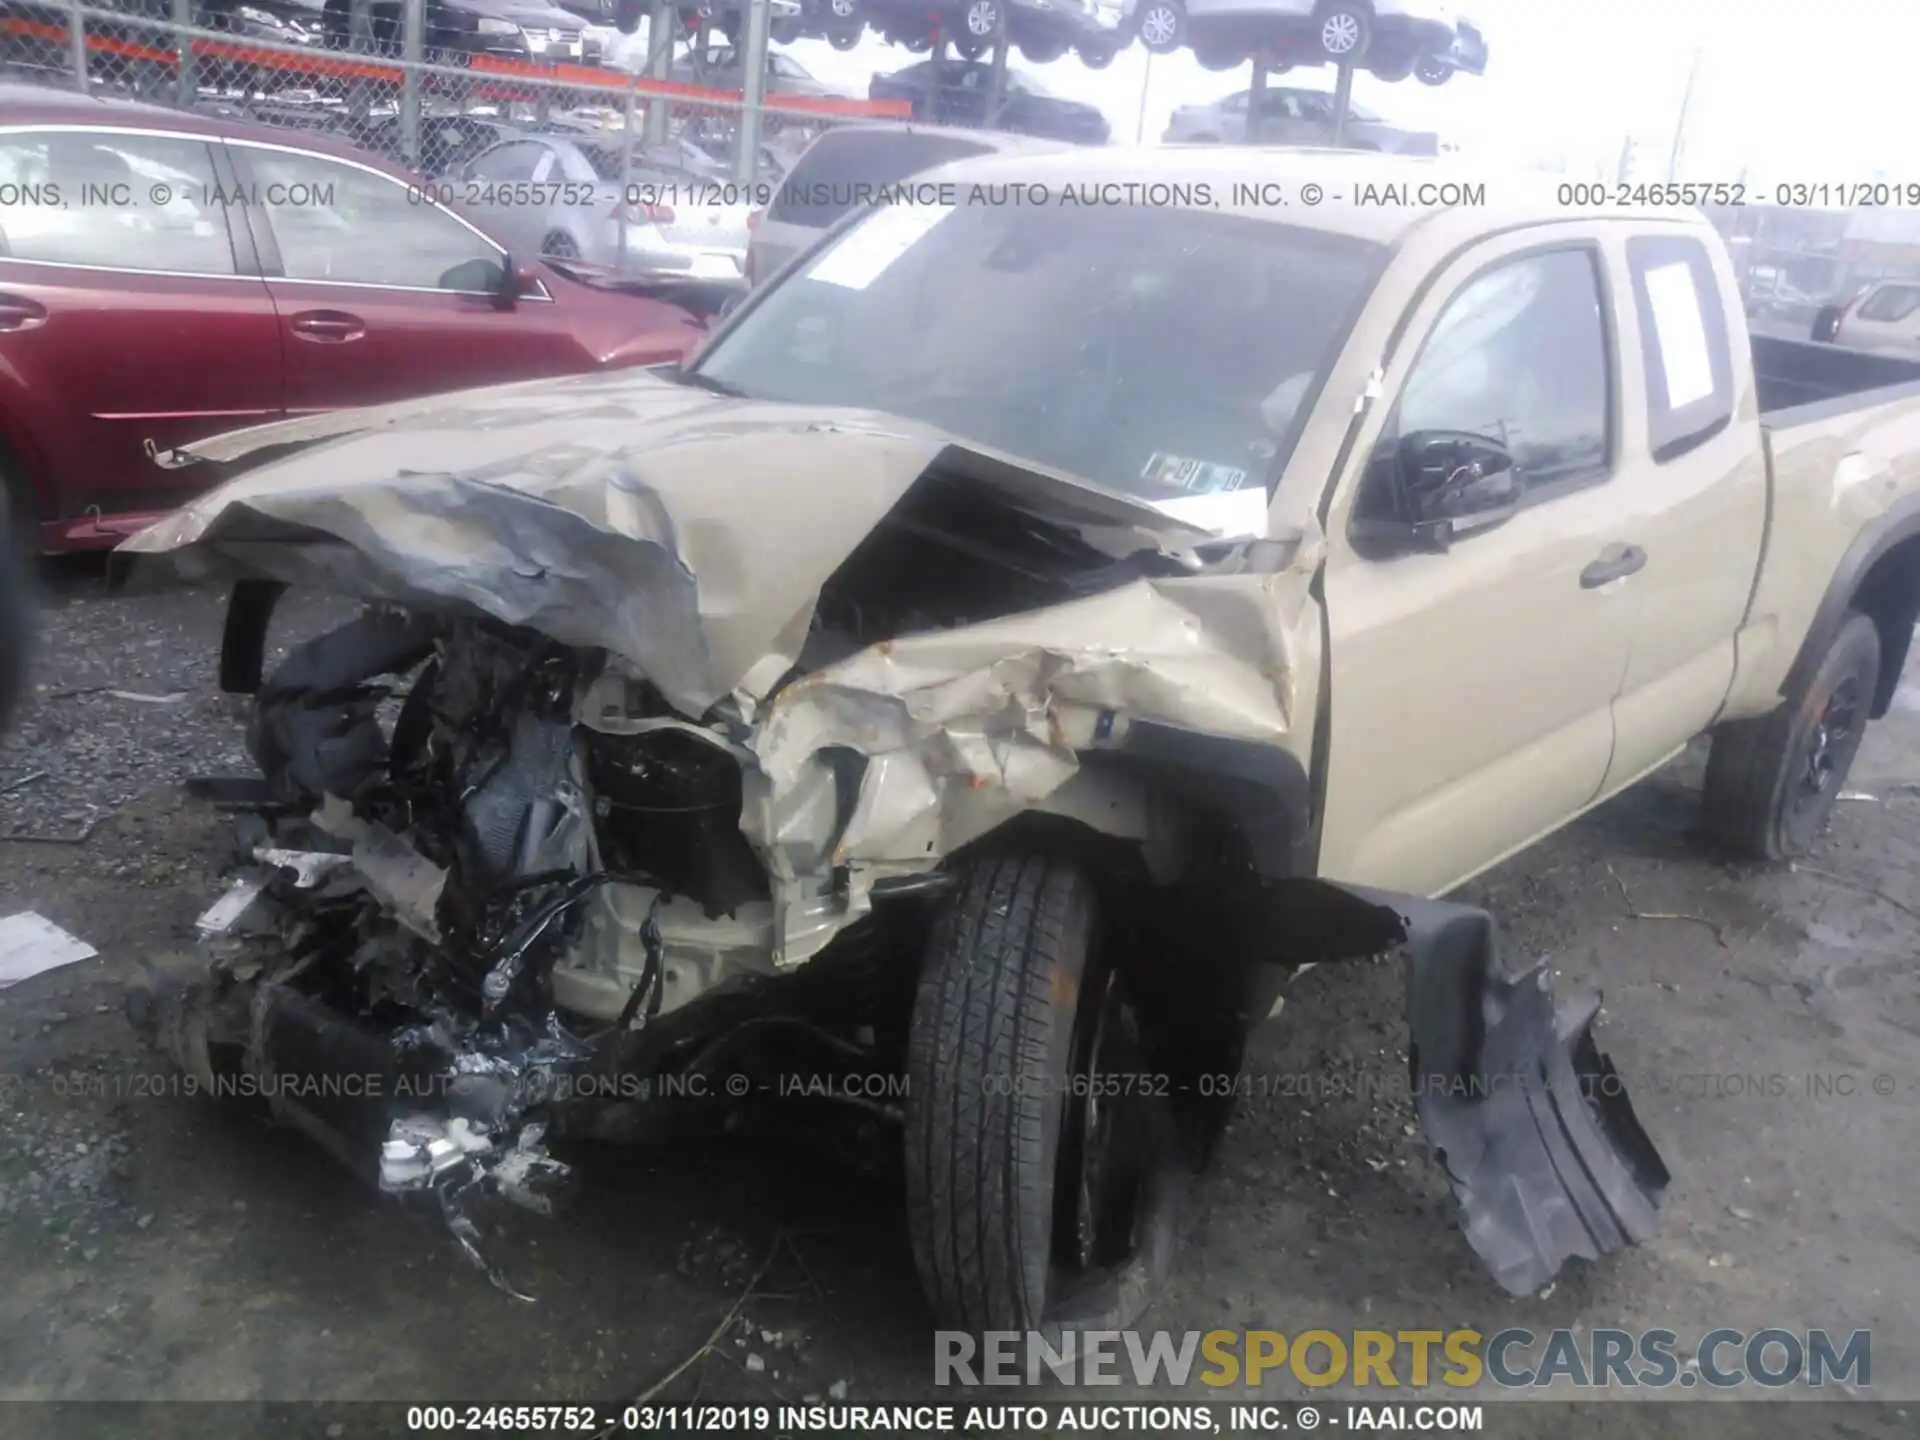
(1022, 638)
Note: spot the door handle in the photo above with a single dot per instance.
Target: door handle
(1618, 562)
(328, 326)
(19, 313)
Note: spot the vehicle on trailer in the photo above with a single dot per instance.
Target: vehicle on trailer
(130, 329)
(1291, 116)
(1018, 640)
(577, 197)
(960, 92)
(533, 31)
(1224, 33)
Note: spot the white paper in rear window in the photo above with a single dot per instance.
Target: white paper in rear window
(1681, 332)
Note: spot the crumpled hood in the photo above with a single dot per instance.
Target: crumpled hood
(688, 532)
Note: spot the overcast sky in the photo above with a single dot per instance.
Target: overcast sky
(1790, 90)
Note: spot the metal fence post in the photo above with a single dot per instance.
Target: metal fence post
(626, 167)
(189, 84)
(753, 79)
(413, 49)
(661, 25)
(77, 44)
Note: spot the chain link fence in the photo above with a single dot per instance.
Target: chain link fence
(393, 81)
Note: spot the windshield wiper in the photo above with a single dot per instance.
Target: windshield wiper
(707, 382)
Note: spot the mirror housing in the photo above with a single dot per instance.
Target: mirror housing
(1446, 484)
(516, 280)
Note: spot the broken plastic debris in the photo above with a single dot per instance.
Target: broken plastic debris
(309, 867)
(31, 944)
(225, 913)
(172, 697)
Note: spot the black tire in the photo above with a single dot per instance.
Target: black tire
(1161, 25)
(844, 37)
(783, 32)
(1826, 324)
(1012, 974)
(1220, 57)
(1097, 54)
(1343, 29)
(968, 48)
(1390, 67)
(16, 608)
(1432, 70)
(1042, 52)
(1772, 780)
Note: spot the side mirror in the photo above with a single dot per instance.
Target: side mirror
(1445, 484)
(516, 280)
(1455, 482)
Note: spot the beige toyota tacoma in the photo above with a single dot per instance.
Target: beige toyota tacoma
(1029, 631)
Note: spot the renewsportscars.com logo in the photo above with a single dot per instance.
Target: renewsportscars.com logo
(1391, 1359)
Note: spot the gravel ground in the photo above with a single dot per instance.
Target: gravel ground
(157, 1247)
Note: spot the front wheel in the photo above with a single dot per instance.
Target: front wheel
(1772, 780)
(844, 38)
(1432, 70)
(1163, 25)
(1044, 1169)
(1096, 54)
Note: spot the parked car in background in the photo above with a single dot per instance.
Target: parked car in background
(1883, 316)
(128, 330)
(563, 196)
(720, 66)
(1294, 117)
(829, 177)
(962, 96)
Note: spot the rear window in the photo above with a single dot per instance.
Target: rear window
(1684, 346)
(1890, 303)
(844, 167)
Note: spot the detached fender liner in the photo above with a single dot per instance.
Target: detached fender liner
(1529, 1119)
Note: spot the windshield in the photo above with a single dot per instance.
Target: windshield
(1160, 352)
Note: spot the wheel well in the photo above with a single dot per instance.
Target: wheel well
(1889, 595)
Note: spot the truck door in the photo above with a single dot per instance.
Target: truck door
(1472, 688)
(1693, 488)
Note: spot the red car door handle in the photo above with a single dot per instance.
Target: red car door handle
(18, 313)
(328, 325)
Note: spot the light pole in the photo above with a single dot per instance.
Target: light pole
(1140, 124)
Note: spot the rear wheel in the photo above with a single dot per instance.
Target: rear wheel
(1432, 70)
(1219, 57)
(1044, 1172)
(1344, 29)
(1042, 52)
(1772, 780)
(845, 37)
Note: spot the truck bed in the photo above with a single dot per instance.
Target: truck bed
(1795, 376)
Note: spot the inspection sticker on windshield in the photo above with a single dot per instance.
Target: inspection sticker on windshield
(1197, 475)
(865, 252)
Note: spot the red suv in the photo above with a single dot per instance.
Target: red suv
(167, 276)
